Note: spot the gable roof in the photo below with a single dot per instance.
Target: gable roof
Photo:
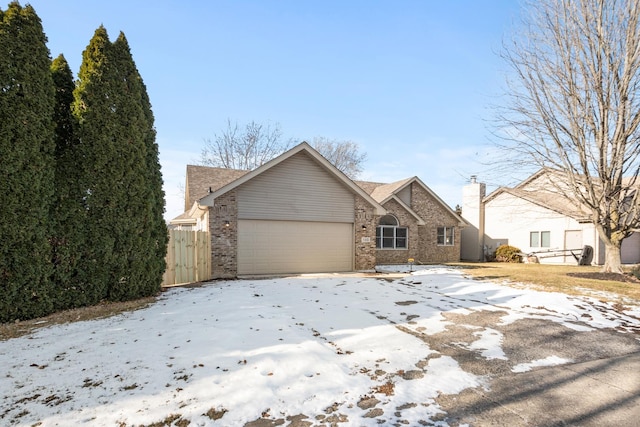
(208, 199)
(550, 199)
(385, 192)
(202, 180)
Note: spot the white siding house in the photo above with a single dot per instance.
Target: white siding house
(536, 218)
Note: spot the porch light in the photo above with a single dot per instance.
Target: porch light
(364, 227)
(226, 223)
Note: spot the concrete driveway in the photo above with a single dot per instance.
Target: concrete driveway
(599, 387)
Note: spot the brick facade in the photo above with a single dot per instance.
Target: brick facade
(365, 235)
(434, 215)
(422, 244)
(224, 239)
(405, 219)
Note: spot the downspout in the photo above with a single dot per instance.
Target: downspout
(481, 255)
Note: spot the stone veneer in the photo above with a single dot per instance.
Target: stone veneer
(434, 215)
(224, 239)
(405, 219)
(365, 238)
(422, 244)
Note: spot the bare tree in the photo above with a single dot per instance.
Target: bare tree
(250, 147)
(344, 155)
(244, 148)
(574, 106)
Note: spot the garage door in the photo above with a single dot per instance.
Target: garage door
(278, 247)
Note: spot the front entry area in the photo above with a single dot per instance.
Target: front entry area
(284, 247)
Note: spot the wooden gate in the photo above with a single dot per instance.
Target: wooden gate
(188, 257)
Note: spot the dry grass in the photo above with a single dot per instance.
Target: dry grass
(107, 309)
(555, 278)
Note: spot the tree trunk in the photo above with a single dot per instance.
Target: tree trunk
(613, 262)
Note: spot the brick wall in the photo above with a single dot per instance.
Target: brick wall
(434, 215)
(400, 256)
(365, 251)
(224, 239)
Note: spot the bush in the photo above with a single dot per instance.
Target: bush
(506, 253)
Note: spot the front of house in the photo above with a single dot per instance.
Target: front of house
(418, 224)
(299, 214)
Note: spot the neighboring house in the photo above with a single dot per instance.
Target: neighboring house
(534, 217)
(299, 214)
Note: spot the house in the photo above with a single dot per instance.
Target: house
(418, 224)
(299, 214)
(535, 217)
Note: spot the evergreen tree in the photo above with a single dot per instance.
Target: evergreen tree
(151, 260)
(27, 167)
(93, 107)
(116, 131)
(68, 213)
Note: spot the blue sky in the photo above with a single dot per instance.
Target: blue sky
(411, 82)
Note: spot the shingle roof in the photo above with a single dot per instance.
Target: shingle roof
(201, 180)
(553, 201)
(379, 191)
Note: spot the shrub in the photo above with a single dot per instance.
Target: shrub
(506, 253)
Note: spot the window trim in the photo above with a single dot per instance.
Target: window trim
(445, 232)
(542, 239)
(380, 237)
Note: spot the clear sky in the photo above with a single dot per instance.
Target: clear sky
(411, 81)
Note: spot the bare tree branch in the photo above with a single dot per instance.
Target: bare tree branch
(344, 155)
(256, 144)
(574, 106)
(244, 149)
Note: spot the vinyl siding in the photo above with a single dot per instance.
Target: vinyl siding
(405, 195)
(298, 189)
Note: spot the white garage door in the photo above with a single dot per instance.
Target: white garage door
(278, 247)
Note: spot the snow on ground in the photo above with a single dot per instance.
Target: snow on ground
(548, 361)
(232, 352)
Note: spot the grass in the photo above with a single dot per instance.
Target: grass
(553, 278)
(99, 311)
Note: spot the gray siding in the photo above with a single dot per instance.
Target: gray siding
(405, 195)
(297, 189)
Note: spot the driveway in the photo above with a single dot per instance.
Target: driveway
(432, 348)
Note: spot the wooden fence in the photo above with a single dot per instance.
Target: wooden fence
(188, 257)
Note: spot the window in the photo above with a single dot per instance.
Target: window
(389, 235)
(445, 236)
(534, 239)
(540, 239)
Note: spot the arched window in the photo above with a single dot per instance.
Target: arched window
(389, 235)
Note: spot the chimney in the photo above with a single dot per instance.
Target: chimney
(472, 237)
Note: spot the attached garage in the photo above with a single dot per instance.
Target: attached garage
(281, 247)
(295, 218)
(295, 214)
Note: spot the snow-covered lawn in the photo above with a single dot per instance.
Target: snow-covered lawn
(228, 353)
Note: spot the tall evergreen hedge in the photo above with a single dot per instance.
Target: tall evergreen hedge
(150, 264)
(26, 165)
(71, 287)
(81, 216)
(116, 132)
